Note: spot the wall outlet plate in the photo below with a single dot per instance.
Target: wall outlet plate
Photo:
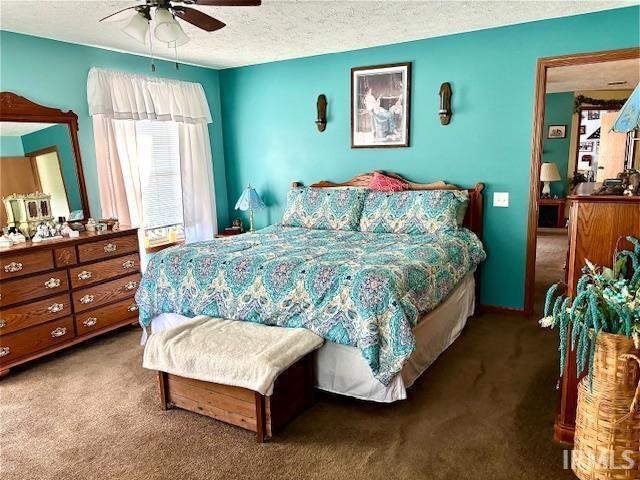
(501, 199)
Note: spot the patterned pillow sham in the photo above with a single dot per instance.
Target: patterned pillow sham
(413, 212)
(324, 208)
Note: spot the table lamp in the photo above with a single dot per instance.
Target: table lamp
(250, 201)
(548, 173)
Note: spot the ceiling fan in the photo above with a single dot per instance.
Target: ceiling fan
(167, 29)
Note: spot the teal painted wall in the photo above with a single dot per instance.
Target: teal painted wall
(558, 110)
(270, 137)
(11, 147)
(54, 74)
(58, 135)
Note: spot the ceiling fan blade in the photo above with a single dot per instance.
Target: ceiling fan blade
(116, 13)
(199, 19)
(230, 3)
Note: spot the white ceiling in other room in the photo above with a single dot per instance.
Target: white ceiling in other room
(618, 75)
(17, 129)
(284, 29)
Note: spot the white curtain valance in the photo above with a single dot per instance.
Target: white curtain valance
(127, 96)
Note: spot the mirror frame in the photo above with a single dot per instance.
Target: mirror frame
(14, 108)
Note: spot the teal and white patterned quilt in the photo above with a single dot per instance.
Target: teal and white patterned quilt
(361, 289)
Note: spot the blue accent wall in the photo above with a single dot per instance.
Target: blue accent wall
(54, 74)
(270, 138)
(558, 110)
(58, 136)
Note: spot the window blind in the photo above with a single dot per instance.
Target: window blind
(158, 148)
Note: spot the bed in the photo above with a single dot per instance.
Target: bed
(387, 304)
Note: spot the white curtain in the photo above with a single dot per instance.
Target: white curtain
(116, 101)
(198, 199)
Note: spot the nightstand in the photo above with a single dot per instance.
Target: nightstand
(229, 232)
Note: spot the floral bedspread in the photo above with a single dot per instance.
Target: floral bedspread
(361, 289)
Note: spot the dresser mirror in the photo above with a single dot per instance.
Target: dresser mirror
(41, 175)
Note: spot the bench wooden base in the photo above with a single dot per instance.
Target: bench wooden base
(293, 391)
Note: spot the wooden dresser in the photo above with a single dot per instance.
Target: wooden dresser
(595, 225)
(58, 293)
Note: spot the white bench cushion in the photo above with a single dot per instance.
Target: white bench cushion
(229, 352)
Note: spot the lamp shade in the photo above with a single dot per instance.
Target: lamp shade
(549, 172)
(167, 29)
(137, 28)
(629, 115)
(249, 200)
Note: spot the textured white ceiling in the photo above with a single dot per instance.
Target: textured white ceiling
(282, 29)
(17, 129)
(594, 76)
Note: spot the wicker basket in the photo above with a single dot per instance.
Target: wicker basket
(608, 416)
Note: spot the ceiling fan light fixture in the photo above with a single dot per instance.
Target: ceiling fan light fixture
(181, 40)
(137, 28)
(167, 29)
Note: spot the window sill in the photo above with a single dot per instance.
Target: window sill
(161, 246)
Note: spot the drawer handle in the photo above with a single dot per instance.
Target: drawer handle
(129, 264)
(52, 283)
(84, 275)
(90, 322)
(110, 247)
(133, 307)
(130, 285)
(59, 332)
(56, 307)
(4, 351)
(86, 299)
(13, 267)
(2, 323)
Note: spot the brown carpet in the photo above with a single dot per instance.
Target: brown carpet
(484, 410)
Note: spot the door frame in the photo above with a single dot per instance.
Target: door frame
(537, 139)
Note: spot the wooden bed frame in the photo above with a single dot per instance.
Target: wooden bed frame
(472, 219)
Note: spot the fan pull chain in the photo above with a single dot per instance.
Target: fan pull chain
(153, 64)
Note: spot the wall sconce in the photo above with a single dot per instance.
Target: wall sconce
(321, 122)
(445, 103)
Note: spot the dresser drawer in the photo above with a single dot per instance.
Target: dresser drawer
(107, 248)
(22, 264)
(104, 316)
(23, 289)
(95, 296)
(97, 272)
(34, 339)
(35, 313)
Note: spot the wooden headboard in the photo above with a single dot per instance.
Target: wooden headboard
(472, 219)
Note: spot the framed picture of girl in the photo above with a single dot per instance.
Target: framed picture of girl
(380, 102)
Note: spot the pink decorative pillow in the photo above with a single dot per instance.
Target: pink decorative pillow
(384, 183)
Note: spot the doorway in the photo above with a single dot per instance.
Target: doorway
(569, 91)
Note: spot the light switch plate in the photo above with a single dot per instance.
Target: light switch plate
(501, 199)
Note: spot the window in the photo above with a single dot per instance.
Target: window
(158, 147)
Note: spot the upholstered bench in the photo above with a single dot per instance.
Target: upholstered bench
(254, 376)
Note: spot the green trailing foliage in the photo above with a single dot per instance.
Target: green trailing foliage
(606, 300)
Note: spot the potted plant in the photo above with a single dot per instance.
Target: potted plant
(601, 323)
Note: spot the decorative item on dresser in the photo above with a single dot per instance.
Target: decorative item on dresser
(58, 293)
(595, 225)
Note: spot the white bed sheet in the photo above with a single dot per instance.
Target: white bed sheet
(342, 369)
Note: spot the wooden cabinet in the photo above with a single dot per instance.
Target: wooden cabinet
(596, 223)
(58, 293)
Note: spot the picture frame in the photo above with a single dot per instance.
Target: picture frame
(593, 114)
(586, 147)
(557, 131)
(381, 106)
